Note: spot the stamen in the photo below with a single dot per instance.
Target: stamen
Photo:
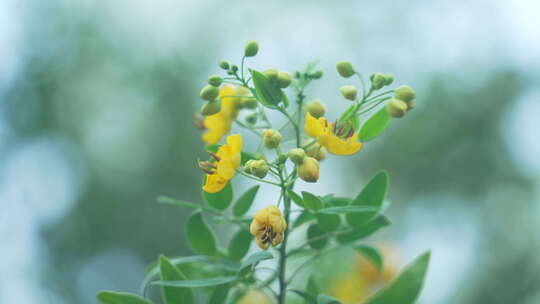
(214, 155)
(198, 122)
(351, 133)
(334, 125)
(340, 131)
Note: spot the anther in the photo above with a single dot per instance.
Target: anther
(214, 155)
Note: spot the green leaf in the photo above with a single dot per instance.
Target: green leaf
(197, 283)
(304, 217)
(312, 287)
(199, 236)
(242, 204)
(312, 201)
(219, 294)
(111, 297)
(348, 209)
(256, 258)
(347, 113)
(306, 296)
(372, 196)
(153, 270)
(406, 288)
(220, 200)
(179, 203)
(324, 299)
(372, 254)
(334, 201)
(296, 199)
(239, 245)
(375, 125)
(314, 231)
(268, 94)
(169, 272)
(364, 231)
(328, 222)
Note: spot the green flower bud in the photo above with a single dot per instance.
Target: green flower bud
(249, 165)
(405, 93)
(234, 68)
(309, 170)
(284, 79)
(271, 138)
(224, 65)
(345, 69)
(209, 93)
(249, 102)
(215, 80)
(251, 49)
(211, 108)
(315, 108)
(259, 168)
(297, 155)
(271, 74)
(410, 105)
(317, 152)
(378, 81)
(349, 92)
(259, 155)
(317, 74)
(396, 108)
(388, 79)
(282, 158)
(252, 118)
(297, 74)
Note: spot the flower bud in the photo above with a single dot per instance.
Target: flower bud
(345, 69)
(284, 79)
(315, 108)
(215, 80)
(249, 164)
(378, 81)
(211, 108)
(249, 102)
(388, 79)
(405, 93)
(209, 93)
(259, 168)
(317, 152)
(234, 68)
(252, 118)
(259, 155)
(317, 74)
(271, 74)
(410, 105)
(251, 49)
(271, 138)
(349, 92)
(282, 158)
(396, 108)
(224, 65)
(297, 155)
(309, 170)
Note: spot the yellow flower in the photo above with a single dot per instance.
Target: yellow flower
(334, 138)
(220, 123)
(227, 160)
(268, 227)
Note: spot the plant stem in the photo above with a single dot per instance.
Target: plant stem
(283, 249)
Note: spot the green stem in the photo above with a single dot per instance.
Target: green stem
(283, 248)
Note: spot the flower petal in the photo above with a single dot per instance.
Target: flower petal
(338, 146)
(214, 183)
(314, 127)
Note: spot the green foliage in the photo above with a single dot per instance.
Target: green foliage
(372, 254)
(324, 299)
(268, 94)
(315, 233)
(219, 294)
(199, 236)
(256, 258)
(244, 202)
(297, 199)
(364, 231)
(220, 200)
(406, 288)
(111, 297)
(196, 283)
(239, 245)
(312, 201)
(372, 196)
(375, 125)
(169, 272)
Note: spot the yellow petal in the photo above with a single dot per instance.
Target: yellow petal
(225, 168)
(255, 227)
(338, 146)
(278, 239)
(214, 183)
(261, 243)
(313, 127)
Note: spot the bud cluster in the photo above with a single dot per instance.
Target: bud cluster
(402, 102)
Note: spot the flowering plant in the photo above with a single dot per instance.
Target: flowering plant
(218, 275)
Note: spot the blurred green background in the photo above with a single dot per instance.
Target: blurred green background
(96, 108)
